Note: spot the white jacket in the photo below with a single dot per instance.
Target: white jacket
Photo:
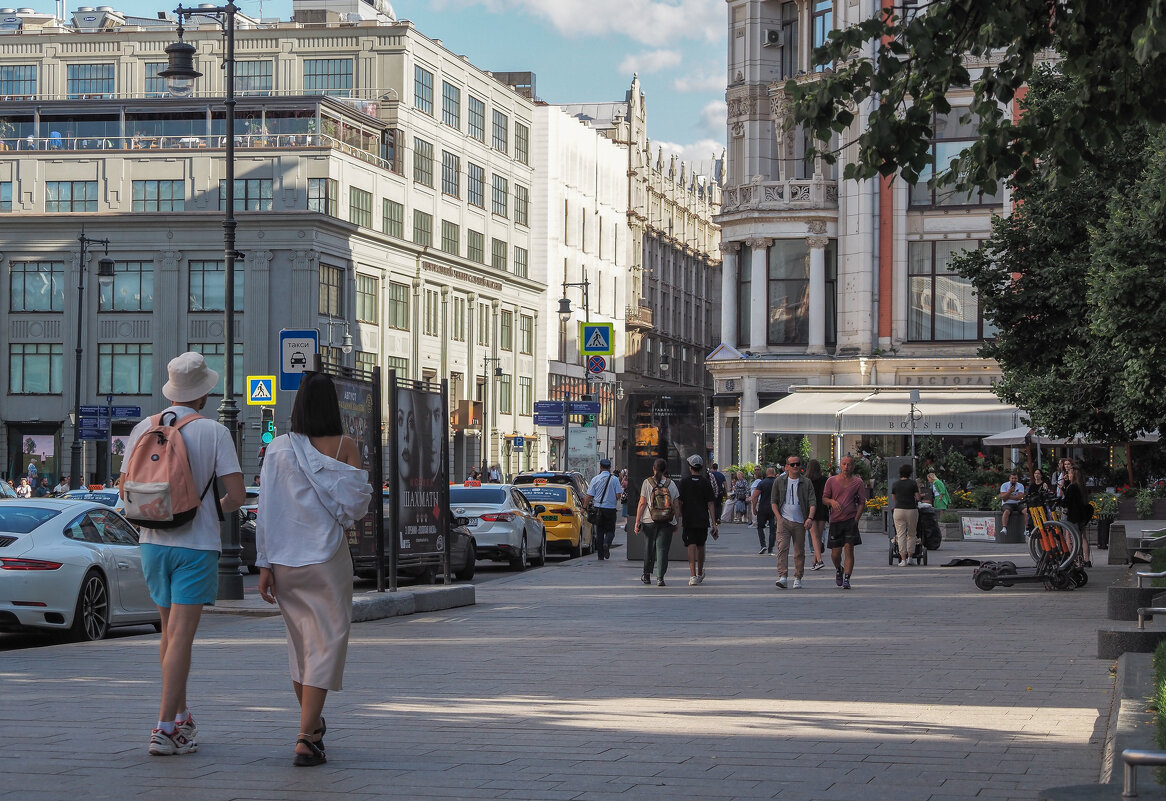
(306, 501)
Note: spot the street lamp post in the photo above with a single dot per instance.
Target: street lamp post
(104, 275)
(485, 409)
(180, 75)
(565, 313)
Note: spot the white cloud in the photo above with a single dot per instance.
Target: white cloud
(650, 61)
(708, 79)
(714, 117)
(646, 21)
(699, 155)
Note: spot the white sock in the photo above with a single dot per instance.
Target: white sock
(181, 718)
(167, 726)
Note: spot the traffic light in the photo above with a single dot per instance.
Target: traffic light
(588, 421)
(267, 425)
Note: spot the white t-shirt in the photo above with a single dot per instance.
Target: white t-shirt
(790, 508)
(646, 494)
(211, 451)
(1011, 487)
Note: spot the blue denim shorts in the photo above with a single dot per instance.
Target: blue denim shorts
(180, 575)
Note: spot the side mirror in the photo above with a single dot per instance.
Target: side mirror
(539, 509)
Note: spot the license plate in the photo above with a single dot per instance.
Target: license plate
(473, 521)
(551, 518)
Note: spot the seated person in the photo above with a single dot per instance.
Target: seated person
(1011, 494)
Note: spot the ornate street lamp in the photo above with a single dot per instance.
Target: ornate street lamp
(104, 278)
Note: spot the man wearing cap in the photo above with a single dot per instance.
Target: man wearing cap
(698, 512)
(603, 492)
(181, 564)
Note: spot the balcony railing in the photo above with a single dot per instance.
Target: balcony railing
(638, 317)
(797, 193)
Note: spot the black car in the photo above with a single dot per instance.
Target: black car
(463, 554)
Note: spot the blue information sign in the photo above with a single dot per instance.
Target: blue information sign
(545, 407)
(93, 422)
(95, 411)
(519, 443)
(297, 352)
(584, 407)
(93, 433)
(548, 419)
(125, 412)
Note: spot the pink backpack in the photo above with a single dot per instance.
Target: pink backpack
(157, 484)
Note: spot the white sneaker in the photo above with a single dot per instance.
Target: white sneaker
(781, 585)
(692, 582)
(163, 744)
(902, 563)
(700, 578)
(189, 730)
(797, 584)
(763, 551)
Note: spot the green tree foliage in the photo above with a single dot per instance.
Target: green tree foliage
(907, 67)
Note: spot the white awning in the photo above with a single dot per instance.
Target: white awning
(887, 411)
(1025, 435)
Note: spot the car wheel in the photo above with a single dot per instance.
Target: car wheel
(541, 559)
(91, 617)
(467, 572)
(577, 550)
(520, 562)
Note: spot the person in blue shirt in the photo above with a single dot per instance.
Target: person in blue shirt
(603, 493)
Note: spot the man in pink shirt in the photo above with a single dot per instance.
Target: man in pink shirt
(845, 497)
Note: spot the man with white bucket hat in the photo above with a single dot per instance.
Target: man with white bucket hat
(181, 563)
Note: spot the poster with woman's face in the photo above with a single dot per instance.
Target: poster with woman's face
(357, 401)
(422, 477)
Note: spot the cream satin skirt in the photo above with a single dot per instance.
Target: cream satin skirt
(316, 602)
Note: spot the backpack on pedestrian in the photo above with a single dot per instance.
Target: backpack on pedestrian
(660, 503)
(157, 486)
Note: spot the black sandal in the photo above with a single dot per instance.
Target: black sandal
(320, 732)
(317, 757)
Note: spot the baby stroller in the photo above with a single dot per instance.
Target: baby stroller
(927, 537)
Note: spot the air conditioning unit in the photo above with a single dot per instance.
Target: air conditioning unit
(772, 38)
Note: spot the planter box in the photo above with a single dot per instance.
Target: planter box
(951, 532)
(1126, 510)
(988, 525)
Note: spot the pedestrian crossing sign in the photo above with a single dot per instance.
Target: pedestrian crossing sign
(260, 390)
(597, 339)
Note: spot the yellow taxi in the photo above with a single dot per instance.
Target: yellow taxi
(566, 524)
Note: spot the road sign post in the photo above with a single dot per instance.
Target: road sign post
(297, 354)
(597, 339)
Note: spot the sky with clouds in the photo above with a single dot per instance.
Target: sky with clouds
(580, 51)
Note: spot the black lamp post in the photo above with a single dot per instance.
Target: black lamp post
(104, 276)
(485, 416)
(565, 316)
(180, 75)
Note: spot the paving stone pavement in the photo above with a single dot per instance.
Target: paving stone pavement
(576, 681)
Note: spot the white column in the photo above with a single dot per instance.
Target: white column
(730, 258)
(759, 303)
(817, 311)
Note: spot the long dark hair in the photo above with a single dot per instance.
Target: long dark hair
(813, 470)
(316, 412)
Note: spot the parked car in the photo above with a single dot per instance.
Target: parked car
(566, 524)
(6, 491)
(575, 479)
(109, 497)
(504, 524)
(70, 565)
(462, 553)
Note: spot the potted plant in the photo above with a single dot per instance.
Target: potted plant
(1105, 512)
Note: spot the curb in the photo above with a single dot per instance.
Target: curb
(1131, 723)
(368, 605)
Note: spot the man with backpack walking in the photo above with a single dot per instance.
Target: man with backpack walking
(656, 518)
(167, 485)
(603, 495)
(696, 515)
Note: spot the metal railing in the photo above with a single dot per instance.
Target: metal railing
(1149, 576)
(1133, 757)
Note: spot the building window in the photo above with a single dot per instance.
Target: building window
(525, 334)
(398, 363)
(744, 297)
(125, 368)
(36, 286)
(525, 396)
(942, 305)
(423, 90)
(458, 319)
(393, 149)
(327, 76)
(35, 369)
(432, 316)
(504, 394)
(498, 254)
(159, 196)
(251, 194)
(483, 324)
(521, 205)
(451, 105)
(367, 295)
(789, 293)
(822, 23)
(18, 79)
(253, 78)
(520, 262)
(132, 289)
(398, 306)
(393, 218)
(213, 352)
(500, 199)
(155, 86)
(331, 291)
(423, 162)
(952, 137)
(475, 185)
(476, 246)
(521, 143)
(422, 228)
(366, 361)
(207, 282)
(322, 195)
(450, 238)
(360, 207)
(477, 118)
(451, 174)
(506, 330)
(90, 80)
(500, 140)
(65, 196)
(5, 197)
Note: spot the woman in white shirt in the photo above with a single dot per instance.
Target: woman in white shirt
(313, 489)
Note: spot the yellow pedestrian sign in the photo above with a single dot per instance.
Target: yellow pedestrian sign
(260, 390)
(597, 339)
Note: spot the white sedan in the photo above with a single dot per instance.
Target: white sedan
(504, 525)
(70, 565)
